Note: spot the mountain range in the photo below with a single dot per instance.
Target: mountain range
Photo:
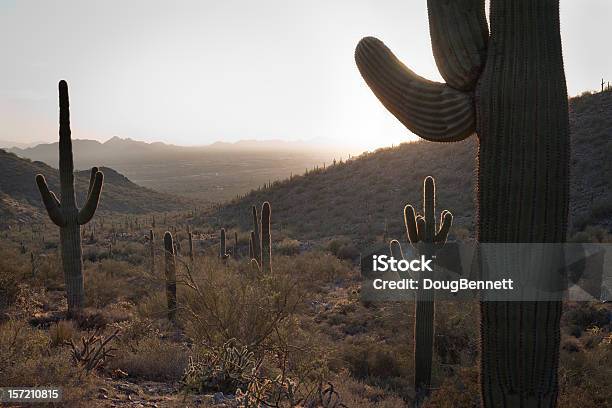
(210, 173)
(20, 199)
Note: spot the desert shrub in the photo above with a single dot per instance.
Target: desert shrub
(348, 252)
(584, 377)
(455, 334)
(461, 390)
(570, 344)
(335, 244)
(229, 300)
(355, 394)
(49, 272)
(27, 361)
(61, 332)
(581, 316)
(127, 251)
(111, 281)
(154, 306)
(288, 247)
(373, 360)
(224, 368)
(9, 289)
(150, 358)
(12, 272)
(314, 270)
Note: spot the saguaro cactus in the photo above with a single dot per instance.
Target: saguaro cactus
(257, 241)
(65, 213)
(235, 249)
(170, 275)
(426, 237)
(223, 246)
(261, 245)
(266, 238)
(191, 253)
(152, 249)
(509, 88)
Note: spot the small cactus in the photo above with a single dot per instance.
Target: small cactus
(251, 245)
(222, 246)
(235, 251)
(260, 246)
(256, 240)
(65, 213)
(152, 249)
(170, 275)
(191, 254)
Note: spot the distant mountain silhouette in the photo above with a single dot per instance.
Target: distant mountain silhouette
(211, 173)
(9, 144)
(122, 150)
(89, 152)
(19, 194)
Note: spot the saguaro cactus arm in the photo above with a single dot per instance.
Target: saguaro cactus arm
(459, 34)
(93, 197)
(432, 110)
(423, 229)
(51, 202)
(266, 238)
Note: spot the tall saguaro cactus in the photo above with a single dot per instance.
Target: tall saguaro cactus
(223, 245)
(65, 213)
(256, 237)
(152, 250)
(508, 87)
(426, 237)
(260, 246)
(170, 260)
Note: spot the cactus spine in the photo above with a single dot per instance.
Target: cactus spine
(170, 275)
(65, 213)
(509, 88)
(426, 237)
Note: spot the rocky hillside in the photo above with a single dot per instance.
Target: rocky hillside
(365, 196)
(19, 195)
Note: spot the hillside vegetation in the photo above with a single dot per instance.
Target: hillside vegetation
(19, 196)
(365, 196)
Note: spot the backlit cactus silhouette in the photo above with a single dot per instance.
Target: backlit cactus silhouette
(190, 237)
(426, 238)
(508, 87)
(223, 246)
(152, 250)
(65, 213)
(256, 237)
(260, 246)
(170, 270)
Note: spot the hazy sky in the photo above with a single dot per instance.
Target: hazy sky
(194, 72)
